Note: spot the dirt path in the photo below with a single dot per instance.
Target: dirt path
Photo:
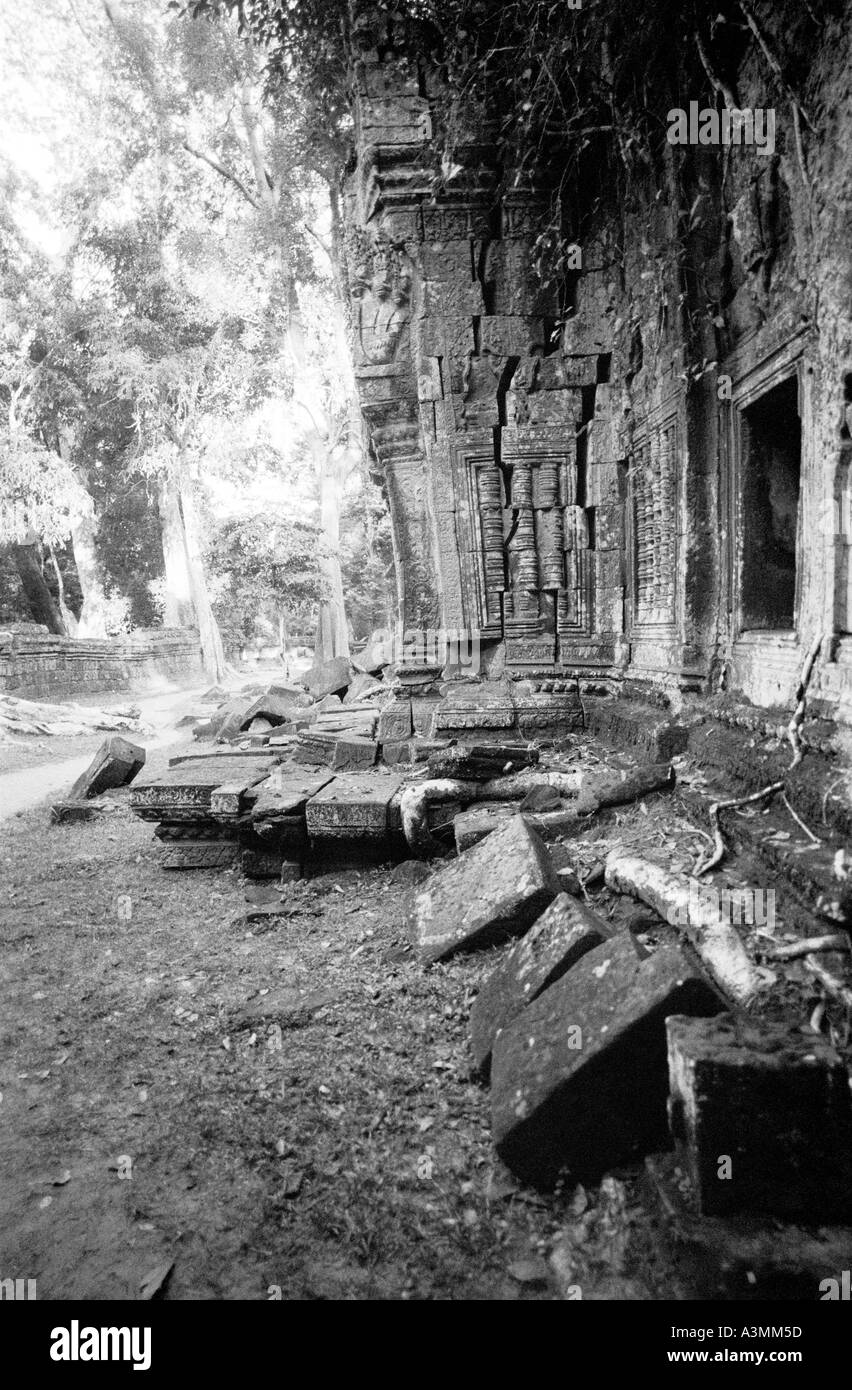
(48, 774)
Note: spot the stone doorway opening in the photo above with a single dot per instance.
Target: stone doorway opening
(770, 483)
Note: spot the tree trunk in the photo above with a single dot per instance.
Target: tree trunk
(212, 650)
(178, 606)
(332, 635)
(92, 620)
(69, 621)
(41, 602)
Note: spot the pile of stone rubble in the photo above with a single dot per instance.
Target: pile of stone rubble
(600, 1053)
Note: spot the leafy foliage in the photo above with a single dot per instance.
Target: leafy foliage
(266, 568)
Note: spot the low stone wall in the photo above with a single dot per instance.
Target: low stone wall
(39, 666)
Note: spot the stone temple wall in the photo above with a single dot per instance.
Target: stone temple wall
(35, 665)
(634, 477)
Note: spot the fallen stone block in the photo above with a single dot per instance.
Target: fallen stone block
(227, 722)
(274, 706)
(493, 892)
(397, 751)
(354, 754)
(116, 763)
(545, 714)
(563, 934)
(315, 746)
(481, 762)
(329, 704)
(184, 793)
(740, 1257)
(762, 1118)
(353, 807)
(65, 812)
(395, 721)
(376, 654)
(354, 721)
(626, 724)
(200, 854)
(484, 711)
(328, 677)
(361, 685)
(580, 1080)
(478, 821)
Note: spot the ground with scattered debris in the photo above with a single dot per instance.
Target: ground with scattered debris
(232, 1091)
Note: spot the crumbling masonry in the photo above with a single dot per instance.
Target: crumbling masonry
(623, 493)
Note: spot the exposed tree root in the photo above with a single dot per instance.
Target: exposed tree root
(674, 898)
(833, 942)
(794, 738)
(587, 794)
(834, 987)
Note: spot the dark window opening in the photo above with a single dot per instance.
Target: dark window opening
(771, 479)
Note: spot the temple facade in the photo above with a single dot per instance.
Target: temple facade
(624, 468)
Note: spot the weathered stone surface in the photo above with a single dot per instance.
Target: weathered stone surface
(478, 821)
(375, 656)
(563, 934)
(315, 746)
(579, 1080)
(184, 792)
(116, 763)
(354, 754)
(395, 721)
(409, 872)
(328, 677)
(762, 1117)
(361, 685)
(456, 715)
(493, 892)
(353, 806)
(423, 708)
(227, 721)
(739, 1257)
(285, 793)
(397, 751)
(230, 800)
(348, 721)
(275, 705)
(479, 762)
(200, 854)
(63, 812)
